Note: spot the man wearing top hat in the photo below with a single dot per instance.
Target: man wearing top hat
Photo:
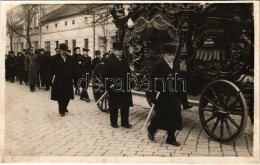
(75, 55)
(168, 105)
(85, 72)
(116, 68)
(62, 73)
(97, 59)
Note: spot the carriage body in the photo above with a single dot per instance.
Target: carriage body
(215, 42)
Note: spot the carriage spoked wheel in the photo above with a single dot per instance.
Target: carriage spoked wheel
(223, 111)
(98, 88)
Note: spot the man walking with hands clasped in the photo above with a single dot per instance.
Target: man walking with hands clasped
(62, 74)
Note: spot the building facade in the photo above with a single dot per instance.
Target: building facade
(76, 25)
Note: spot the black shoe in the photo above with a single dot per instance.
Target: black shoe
(87, 100)
(62, 115)
(151, 136)
(81, 98)
(187, 106)
(174, 142)
(127, 126)
(47, 89)
(67, 111)
(115, 126)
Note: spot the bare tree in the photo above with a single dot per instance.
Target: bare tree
(24, 15)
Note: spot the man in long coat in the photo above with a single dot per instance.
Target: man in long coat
(85, 72)
(12, 62)
(45, 58)
(62, 73)
(20, 66)
(168, 105)
(32, 67)
(115, 70)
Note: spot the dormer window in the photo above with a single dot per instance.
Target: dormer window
(66, 23)
(56, 25)
(73, 21)
(47, 26)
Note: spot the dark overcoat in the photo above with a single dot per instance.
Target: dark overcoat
(62, 75)
(44, 67)
(168, 105)
(20, 66)
(95, 61)
(32, 66)
(84, 66)
(12, 62)
(116, 69)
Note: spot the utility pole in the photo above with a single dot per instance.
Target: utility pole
(94, 31)
(40, 26)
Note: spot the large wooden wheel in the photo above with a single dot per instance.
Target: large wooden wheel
(223, 111)
(98, 88)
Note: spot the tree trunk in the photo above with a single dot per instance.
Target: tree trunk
(11, 40)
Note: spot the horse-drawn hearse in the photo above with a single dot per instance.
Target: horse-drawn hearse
(216, 47)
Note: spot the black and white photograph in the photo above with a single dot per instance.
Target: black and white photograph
(130, 82)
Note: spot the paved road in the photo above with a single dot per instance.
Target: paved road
(33, 127)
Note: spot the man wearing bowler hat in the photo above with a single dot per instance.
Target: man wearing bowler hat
(116, 69)
(62, 74)
(85, 72)
(168, 105)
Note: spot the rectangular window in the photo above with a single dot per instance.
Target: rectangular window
(65, 23)
(73, 21)
(56, 25)
(48, 45)
(67, 42)
(73, 44)
(86, 43)
(47, 26)
(35, 45)
(57, 44)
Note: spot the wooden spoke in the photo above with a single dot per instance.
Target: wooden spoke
(232, 121)
(208, 110)
(214, 93)
(210, 101)
(215, 126)
(105, 103)
(228, 127)
(209, 119)
(221, 129)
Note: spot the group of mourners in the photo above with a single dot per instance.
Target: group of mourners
(65, 71)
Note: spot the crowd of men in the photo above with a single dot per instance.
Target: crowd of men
(63, 71)
(32, 67)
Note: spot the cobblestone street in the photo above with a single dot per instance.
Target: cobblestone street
(34, 127)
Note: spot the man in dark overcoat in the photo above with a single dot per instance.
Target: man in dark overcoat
(12, 67)
(32, 67)
(75, 55)
(97, 59)
(25, 72)
(45, 59)
(115, 71)
(84, 69)
(20, 66)
(168, 105)
(62, 73)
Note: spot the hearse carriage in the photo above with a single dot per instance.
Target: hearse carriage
(216, 47)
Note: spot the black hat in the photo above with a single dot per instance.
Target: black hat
(11, 52)
(63, 46)
(24, 50)
(40, 50)
(76, 49)
(69, 51)
(97, 52)
(166, 48)
(117, 46)
(85, 49)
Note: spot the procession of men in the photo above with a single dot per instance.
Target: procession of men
(64, 72)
